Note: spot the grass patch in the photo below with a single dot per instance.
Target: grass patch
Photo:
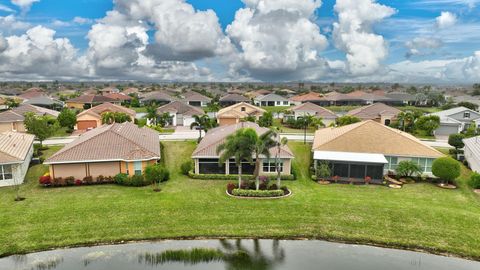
(275, 109)
(61, 132)
(277, 123)
(417, 216)
(139, 109)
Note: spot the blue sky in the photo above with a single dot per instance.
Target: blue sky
(411, 34)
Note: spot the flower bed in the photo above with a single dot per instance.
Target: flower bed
(248, 190)
(257, 193)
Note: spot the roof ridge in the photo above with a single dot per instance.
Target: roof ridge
(148, 150)
(359, 124)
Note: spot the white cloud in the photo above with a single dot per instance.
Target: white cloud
(25, 5)
(59, 23)
(81, 20)
(353, 34)
(419, 45)
(446, 19)
(277, 39)
(11, 24)
(6, 9)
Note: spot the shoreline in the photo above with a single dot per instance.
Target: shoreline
(419, 249)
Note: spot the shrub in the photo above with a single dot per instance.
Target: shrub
(186, 167)
(156, 173)
(78, 182)
(257, 193)
(120, 179)
(408, 168)
(273, 187)
(475, 181)
(231, 187)
(45, 180)
(446, 168)
(58, 181)
(70, 181)
(100, 179)
(88, 180)
(456, 140)
(138, 181)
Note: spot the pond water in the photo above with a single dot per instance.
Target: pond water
(233, 254)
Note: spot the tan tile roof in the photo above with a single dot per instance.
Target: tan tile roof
(32, 93)
(372, 137)
(194, 96)
(14, 147)
(91, 99)
(157, 96)
(374, 111)
(311, 96)
(319, 110)
(114, 142)
(178, 107)
(40, 111)
(108, 107)
(10, 116)
(214, 137)
(118, 96)
(234, 98)
(232, 112)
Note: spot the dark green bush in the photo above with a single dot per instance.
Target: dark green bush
(446, 168)
(186, 167)
(121, 179)
(138, 181)
(475, 180)
(156, 173)
(257, 193)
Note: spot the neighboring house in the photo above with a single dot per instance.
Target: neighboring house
(472, 153)
(45, 102)
(181, 114)
(271, 100)
(89, 101)
(131, 90)
(119, 97)
(311, 97)
(328, 117)
(156, 97)
(16, 151)
(205, 156)
(12, 120)
(235, 113)
(231, 99)
(369, 149)
(196, 99)
(107, 150)
(92, 118)
(399, 99)
(456, 120)
(109, 90)
(378, 112)
(32, 93)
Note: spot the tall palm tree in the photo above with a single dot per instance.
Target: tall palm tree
(240, 147)
(202, 122)
(279, 142)
(261, 146)
(108, 118)
(406, 119)
(152, 114)
(307, 121)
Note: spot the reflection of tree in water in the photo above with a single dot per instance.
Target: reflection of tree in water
(233, 253)
(47, 264)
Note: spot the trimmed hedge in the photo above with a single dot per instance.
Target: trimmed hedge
(257, 193)
(235, 177)
(475, 181)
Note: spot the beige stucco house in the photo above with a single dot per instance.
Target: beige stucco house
(107, 150)
(235, 113)
(92, 118)
(378, 112)
(12, 120)
(16, 151)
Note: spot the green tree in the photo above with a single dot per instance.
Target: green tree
(266, 120)
(108, 118)
(408, 168)
(40, 126)
(347, 120)
(428, 123)
(152, 115)
(240, 147)
(202, 123)
(12, 102)
(120, 117)
(471, 131)
(306, 121)
(469, 105)
(446, 168)
(279, 143)
(456, 140)
(261, 147)
(406, 120)
(163, 119)
(67, 118)
(323, 170)
(155, 174)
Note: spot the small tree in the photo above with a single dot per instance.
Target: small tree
(468, 105)
(446, 168)
(266, 120)
(155, 174)
(41, 127)
(471, 131)
(408, 168)
(428, 123)
(347, 120)
(67, 118)
(323, 170)
(456, 140)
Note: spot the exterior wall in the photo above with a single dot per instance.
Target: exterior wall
(6, 127)
(384, 118)
(287, 167)
(227, 121)
(12, 126)
(74, 105)
(188, 120)
(19, 171)
(130, 166)
(459, 116)
(77, 170)
(430, 174)
(473, 161)
(104, 168)
(87, 117)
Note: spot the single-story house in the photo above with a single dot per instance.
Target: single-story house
(311, 97)
(44, 101)
(472, 152)
(328, 117)
(157, 97)
(271, 100)
(378, 112)
(3, 103)
(92, 118)
(16, 151)
(196, 99)
(205, 156)
(399, 99)
(130, 90)
(107, 150)
(89, 101)
(32, 93)
(371, 149)
(109, 90)
(231, 99)
(235, 113)
(455, 120)
(119, 97)
(181, 114)
(12, 120)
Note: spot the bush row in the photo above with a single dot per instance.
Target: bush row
(234, 176)
(475, 181)
(257, 193)
(46, 180)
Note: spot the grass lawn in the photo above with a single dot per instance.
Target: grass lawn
(61, 132)
(277, 123)
(139, 109)
(417, 216)
(423, 109)
(275, 109)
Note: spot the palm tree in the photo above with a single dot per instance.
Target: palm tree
(152, 114)
(307, 121)
(202, 122)
(280, 142)
(261, 146)
(108, 118)
(238, 146)
(406, 119)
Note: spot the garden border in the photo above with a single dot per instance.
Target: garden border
(260, 198)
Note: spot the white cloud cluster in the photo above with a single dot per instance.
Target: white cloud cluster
(25, 5)
(11, 24)
(353, 34)
(419, 45)
(446, 19)
(277, 38)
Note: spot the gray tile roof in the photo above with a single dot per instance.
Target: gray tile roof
(178, 107)
(14, 146)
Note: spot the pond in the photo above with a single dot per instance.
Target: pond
(233, 254)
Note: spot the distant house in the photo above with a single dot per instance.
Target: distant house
(13, 120)
(472, 153)
(89, 101)
(44, 101)
(16, 151)
(131, 90)
(378, 112)
(456, 120)
(231, 99)
(119, 97)
(328, 117)
(206, 158)
(107, 150)
(235, 113)
(399, 99)
(181, 114)
(271, 100)
(156, 97)
(196, 99)
(3, 103)
(371, 149)
(32, 93)
(92, 118)
(109, 90)
(310, 97)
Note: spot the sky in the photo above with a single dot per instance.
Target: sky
(422, 41)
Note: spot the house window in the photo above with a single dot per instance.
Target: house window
(247, 167)
(6, 172)
(466, 115)
(126, 165)
(243, 109)
(269, 166)
(285, 103)
(137, 166)
(387, 122)
(392, 163)
(424, 163)
(210, 166)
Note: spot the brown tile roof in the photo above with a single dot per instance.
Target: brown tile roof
(14, 146)
(312, 96)
(178, 107)
(39, 111)
(374, 111)
(32, 93)
(10, 116)
(214, 137)
(234, 98)
(232, 112)
(118, 96)
(89, 99)
(108, 107)
(131, 90)
(114, 142)
(319, 110)
(194, 96)
(372, 137)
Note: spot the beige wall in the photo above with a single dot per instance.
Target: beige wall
(287, 167)
(15, 126)
(78, 170)
(75, 105)
(6, 127)
(88, 117)
(227, 121)
(104, 168)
